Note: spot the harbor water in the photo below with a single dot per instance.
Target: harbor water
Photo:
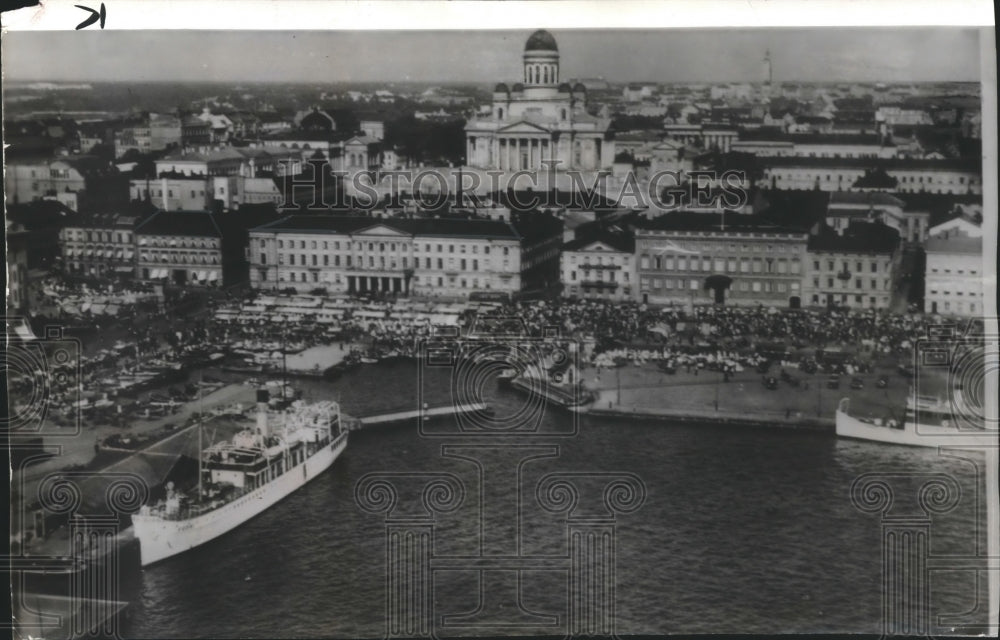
(742, 530)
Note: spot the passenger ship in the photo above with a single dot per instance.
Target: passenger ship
(929, 422)
(243, 477)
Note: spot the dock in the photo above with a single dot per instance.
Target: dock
(406, 416)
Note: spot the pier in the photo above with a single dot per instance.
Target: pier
(406, 416)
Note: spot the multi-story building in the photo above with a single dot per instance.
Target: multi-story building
(695, 258)
(856, 268)
(428, 257)
(100, 245)
(953, 276)
(600, 265)
(180, 247)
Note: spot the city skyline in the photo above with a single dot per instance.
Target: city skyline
(704, 55)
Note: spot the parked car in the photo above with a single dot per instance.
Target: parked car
(833, 382)
(857, 383)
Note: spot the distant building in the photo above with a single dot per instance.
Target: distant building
(847, 207)
(539, 118)
(180, 247)
(374, 129)
(959, 176)
(854, 269)
(79, 182)
(693, 258)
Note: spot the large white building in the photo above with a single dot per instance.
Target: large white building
(427, 257)
(539, 118)
(687, 258)
(953, 277)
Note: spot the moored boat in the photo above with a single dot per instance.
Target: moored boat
(243, 477)
(928, 422)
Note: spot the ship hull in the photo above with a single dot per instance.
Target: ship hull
(160, 539)
(911, 434)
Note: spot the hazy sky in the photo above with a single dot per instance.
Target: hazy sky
(845, 54)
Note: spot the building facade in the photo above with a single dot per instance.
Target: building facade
(601, 267)
(100, 246)
(953, 276)
(693, 258)
(855, 269)
(180, 247)
(539, 119)
(363, 255)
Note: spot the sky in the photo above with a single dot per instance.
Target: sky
(899, 54)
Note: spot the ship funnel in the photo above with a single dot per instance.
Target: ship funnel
(262, 399)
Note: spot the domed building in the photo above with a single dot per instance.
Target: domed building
(539, 118)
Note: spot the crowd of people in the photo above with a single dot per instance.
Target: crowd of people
(613, 325)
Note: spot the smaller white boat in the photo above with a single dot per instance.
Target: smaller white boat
(929, 422)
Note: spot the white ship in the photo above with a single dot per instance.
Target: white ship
(929, 422)
(243, 477)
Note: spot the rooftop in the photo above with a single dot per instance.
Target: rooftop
(954, 244)
(417, 227)
(859, 237)
(712, 222)
(180, 223)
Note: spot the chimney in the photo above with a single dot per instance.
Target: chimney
(262, 424)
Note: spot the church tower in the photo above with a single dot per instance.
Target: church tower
(768, 74)
(541, 60)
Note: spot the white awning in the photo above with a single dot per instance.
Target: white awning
(213, 276)
(119, 253)
(129, 254)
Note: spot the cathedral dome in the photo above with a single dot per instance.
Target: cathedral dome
(501, 88)
(565, 88)
(541, 40)
(580, 88)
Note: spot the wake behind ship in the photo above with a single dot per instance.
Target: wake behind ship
(243, 477)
